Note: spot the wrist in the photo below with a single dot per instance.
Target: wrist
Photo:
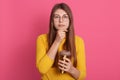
(74, 72)
(72, 69)
(57, 41)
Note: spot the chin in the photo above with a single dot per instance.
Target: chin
(61, 28)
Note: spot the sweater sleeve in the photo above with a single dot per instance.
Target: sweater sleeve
(81, 61)
(43, 61)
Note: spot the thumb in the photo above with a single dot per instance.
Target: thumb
(65, 30)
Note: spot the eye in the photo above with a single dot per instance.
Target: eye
(65, 16)
(56, 16)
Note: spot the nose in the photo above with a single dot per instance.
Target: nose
(60, 19)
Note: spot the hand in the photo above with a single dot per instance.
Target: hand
(60, 35)
(65, 65)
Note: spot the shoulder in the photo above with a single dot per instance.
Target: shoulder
(79, 42)
(78, 39)
(42, 37)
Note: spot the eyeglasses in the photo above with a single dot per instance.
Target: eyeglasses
(58, 18)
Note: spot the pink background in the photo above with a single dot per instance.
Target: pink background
(21, 21)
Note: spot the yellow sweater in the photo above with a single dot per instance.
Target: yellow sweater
(44, 63)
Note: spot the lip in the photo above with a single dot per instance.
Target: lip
(61, 25)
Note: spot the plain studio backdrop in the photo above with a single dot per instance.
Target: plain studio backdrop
(96, 21)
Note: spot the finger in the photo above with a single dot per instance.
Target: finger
(62, 68)
(63, 62)
(66, 30)
(62, 65)
(63, 30)
(66, 59)
(61, 33)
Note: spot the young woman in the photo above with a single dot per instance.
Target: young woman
(61, 37)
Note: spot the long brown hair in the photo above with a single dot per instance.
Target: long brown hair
(70, 36)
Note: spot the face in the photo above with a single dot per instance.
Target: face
(61, 20)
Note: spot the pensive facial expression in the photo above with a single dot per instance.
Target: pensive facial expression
(61, 20)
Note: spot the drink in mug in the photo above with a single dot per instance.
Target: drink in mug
(64, 54)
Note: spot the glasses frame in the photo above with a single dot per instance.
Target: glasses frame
(57, 17)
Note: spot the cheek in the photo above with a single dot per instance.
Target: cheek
(55, 24)
(67, 24)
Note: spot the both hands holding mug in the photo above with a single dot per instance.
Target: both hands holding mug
(64, 63)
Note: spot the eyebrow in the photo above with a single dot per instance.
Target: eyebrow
(63, 14)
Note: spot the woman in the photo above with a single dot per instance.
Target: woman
(61, 37)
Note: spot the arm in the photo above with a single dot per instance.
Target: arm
(53, 49)
(79, 73)
(81, 59)
(74, 72)
(45, 60)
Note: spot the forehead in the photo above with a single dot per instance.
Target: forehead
(60, 11)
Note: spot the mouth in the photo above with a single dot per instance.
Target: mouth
(61, 25)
